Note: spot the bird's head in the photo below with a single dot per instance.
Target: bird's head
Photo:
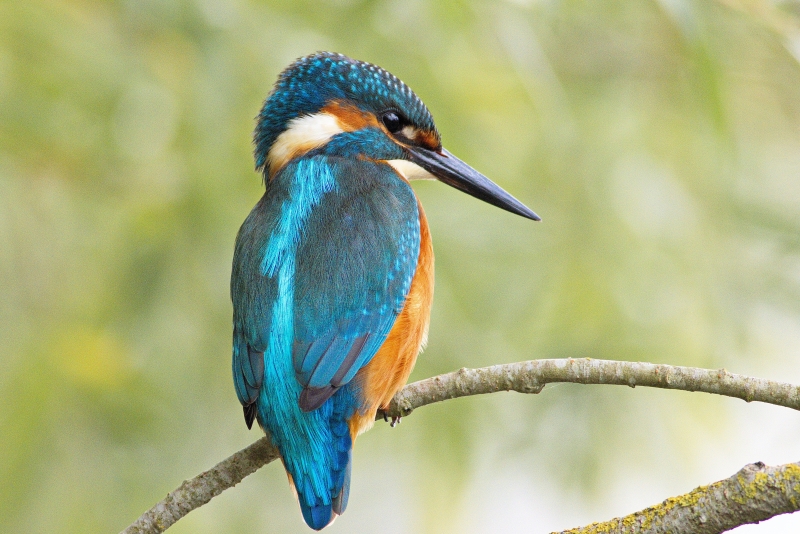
(330, 104)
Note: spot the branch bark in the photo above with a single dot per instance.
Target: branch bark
(533, 375)
(524, 377)
(754, 494)
(198, 491)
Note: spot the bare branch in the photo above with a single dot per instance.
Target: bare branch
(533, 375)
(754, 494)
(524, 377)
(196, 492)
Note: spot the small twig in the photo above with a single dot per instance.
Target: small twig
(754, 494)
(524, 377)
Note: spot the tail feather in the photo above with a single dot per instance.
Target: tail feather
(339, 503)
(317, 514)
(317, 517)
(319, 511)
(316, 449)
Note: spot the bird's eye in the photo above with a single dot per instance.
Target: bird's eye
(392, 121)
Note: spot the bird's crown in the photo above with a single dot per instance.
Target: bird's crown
(315, 83)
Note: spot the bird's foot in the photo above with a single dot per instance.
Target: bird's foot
(395, 418)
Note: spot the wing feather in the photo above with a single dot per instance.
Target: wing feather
(354, 254)
(354, 264)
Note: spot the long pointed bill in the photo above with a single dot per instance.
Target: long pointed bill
(454, 172)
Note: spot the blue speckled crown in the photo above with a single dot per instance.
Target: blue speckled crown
(309, 83)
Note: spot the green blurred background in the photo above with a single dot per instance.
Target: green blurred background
(659, 141)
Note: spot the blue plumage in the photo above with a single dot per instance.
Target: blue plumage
(330, 258)
(321, 269)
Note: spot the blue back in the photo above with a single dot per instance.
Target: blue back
(321, 270)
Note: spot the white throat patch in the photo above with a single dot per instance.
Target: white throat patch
(410, 170)
(301, 135)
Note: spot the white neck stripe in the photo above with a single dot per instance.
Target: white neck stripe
(302, 134)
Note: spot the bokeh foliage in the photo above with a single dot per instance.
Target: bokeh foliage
(659, 140)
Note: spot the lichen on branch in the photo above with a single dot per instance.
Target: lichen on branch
(757, 492)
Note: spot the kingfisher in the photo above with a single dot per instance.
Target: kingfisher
(332, 280)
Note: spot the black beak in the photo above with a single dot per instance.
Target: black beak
(454, 172)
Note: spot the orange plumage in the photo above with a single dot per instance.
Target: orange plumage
(388, 371)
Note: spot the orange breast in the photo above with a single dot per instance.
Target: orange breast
(388, 370)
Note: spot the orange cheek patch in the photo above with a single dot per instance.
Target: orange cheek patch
(428, 139)
(350, 117)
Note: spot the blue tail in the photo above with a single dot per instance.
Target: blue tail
(321, 515)
(316, 511)
(316, 449)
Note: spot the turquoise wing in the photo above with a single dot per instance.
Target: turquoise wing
(354, 268)
(342, 236)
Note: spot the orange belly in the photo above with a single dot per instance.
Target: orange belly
(388, 370)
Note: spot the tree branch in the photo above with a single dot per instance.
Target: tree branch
(754, 494)
(533, 375)
(198, 491)
(524, 377)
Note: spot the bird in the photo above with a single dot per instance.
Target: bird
(332, 277)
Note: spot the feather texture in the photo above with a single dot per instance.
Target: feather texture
(389, 369)
(322, 269)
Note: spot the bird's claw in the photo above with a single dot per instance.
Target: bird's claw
(395, 418)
